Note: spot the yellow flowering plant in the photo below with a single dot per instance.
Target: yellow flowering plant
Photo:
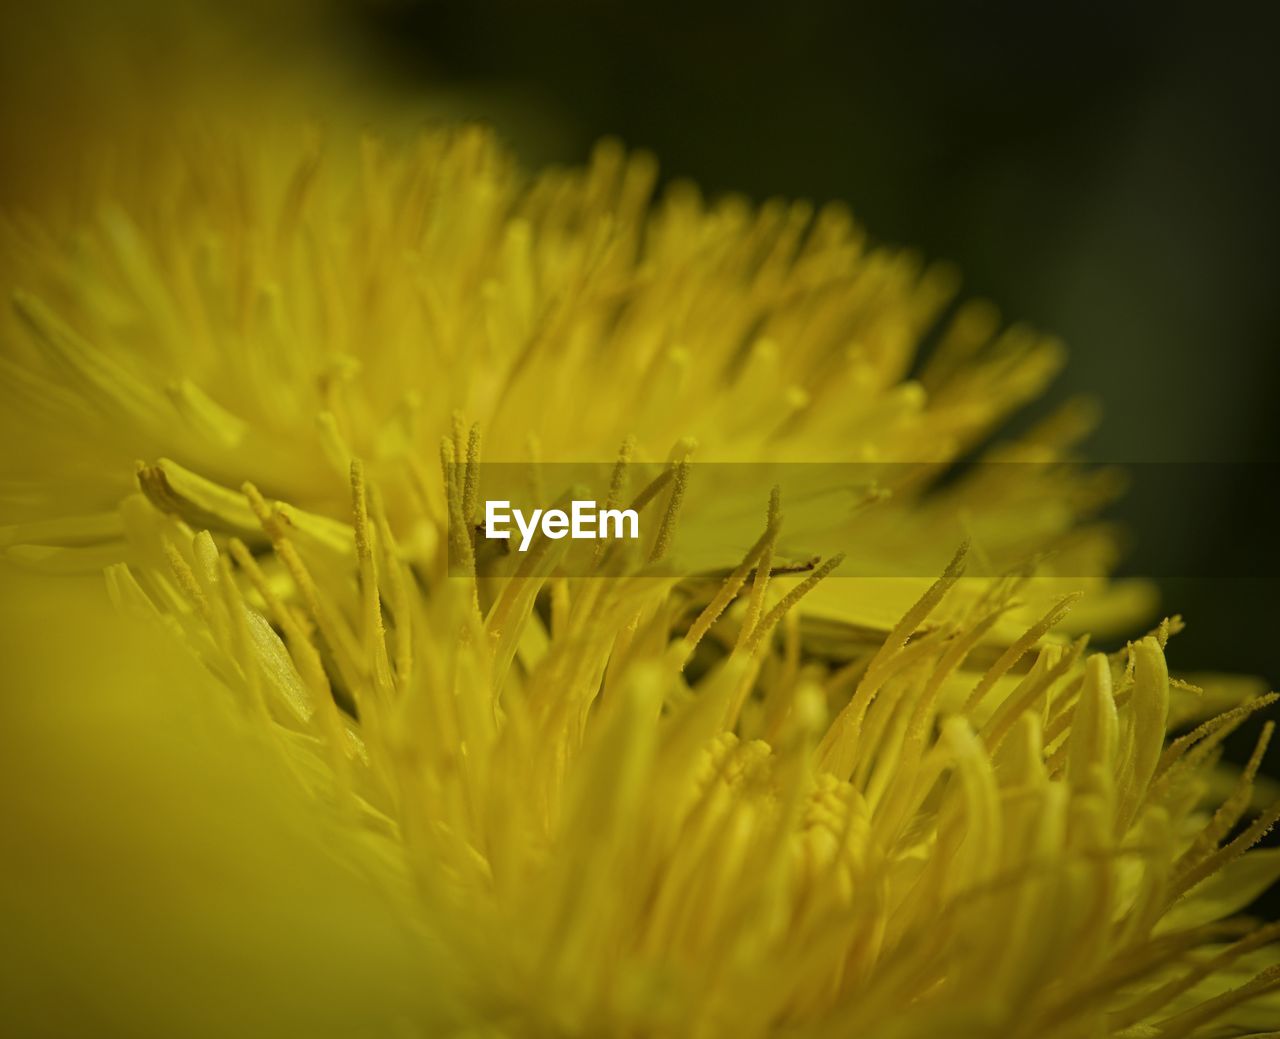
(797, 789)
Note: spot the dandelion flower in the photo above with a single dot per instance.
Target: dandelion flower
(755, 799)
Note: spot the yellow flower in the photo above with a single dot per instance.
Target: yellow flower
(737, 798)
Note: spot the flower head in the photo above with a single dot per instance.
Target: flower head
(752, 799)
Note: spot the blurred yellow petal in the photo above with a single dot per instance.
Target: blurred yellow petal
(161, 873)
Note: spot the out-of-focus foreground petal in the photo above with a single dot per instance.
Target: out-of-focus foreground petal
(157, 877)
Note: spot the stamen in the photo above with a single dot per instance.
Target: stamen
(374, 633)
(1021, 645)
(729, 588)
(1230, 811)
(680, 481)
(792, 597)
(333, 627)
(755, 604)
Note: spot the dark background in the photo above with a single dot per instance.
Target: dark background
(1105, 172)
